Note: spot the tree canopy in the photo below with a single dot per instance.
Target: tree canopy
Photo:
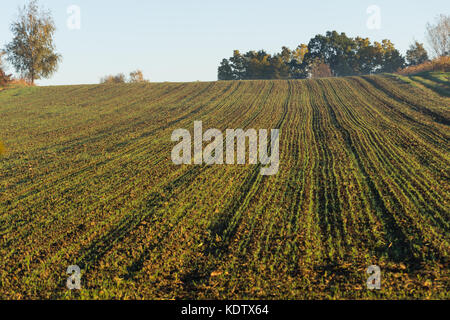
(416, 54)
(32, 51)
(332, 54)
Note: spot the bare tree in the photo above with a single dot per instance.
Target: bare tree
(438, 36)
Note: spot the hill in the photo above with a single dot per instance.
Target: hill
(87, 179)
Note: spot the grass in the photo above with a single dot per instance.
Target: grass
(364, 179)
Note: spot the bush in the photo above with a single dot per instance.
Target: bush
(320, 70)
(118, 78)
(4, 78)
(441, 64)
(137, 76)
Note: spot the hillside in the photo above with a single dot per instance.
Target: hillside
(364, 179)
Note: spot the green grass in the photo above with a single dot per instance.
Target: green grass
(364, 179)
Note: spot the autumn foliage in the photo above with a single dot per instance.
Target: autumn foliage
(321, 70)
(4, 78)
(441, 64)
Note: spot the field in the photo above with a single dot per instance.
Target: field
(364, 179)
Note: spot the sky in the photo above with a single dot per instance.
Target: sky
(185, 40)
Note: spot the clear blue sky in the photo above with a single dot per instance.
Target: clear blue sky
(184, 40)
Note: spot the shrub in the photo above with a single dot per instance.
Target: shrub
(118, 78)
(137, 76)
(441, 64)
(320, 70)
(4, 78)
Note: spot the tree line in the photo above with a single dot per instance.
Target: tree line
(335, 54)
(332, 54)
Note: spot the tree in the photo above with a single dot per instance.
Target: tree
(280, 64)
(438, 36)
(367, 58)
(390, 58)
(353, 56)
(277, 68)
(416, 54)
(32, 51)
(299, 53)
(258, 65)
(137, 76)
(238, 63)
(225, 72)
(336, 50)
(297, 65)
